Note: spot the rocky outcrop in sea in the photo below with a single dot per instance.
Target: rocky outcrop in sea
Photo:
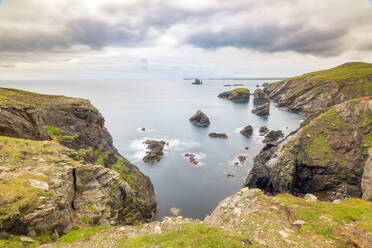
(200, 119)
(263, 110)
(247, 131)
(236, 95)
(154, 151)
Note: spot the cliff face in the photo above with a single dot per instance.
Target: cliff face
(93, 169)
(314, 91)
(328, 156)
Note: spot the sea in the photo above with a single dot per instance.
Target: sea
(163, 109)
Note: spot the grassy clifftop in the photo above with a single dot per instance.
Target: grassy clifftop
(314, 91)
(246, 219)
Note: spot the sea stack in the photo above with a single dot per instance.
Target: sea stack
(200, 119)
(263, 110)
(260, 97)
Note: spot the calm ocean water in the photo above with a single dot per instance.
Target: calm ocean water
(163, 108)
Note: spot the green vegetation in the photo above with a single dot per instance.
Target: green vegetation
(17, 195)
(193, 235)
(55, 134)
(347, 72)
(243, 90)
(325, 218)
(84, 232)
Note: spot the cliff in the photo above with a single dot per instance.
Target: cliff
(246, 219)
(314, 91)
(329, 155)
(59, 167)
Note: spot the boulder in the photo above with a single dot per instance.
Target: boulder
(247, 131)
(273, 136)
(155, 151)
(263, 130)
(236, 95)
(200, 119)
(263, 110)
(218, 135)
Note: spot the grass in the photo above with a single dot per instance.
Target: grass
(17, 196)
(325, 218)
(242, 90)
(346, 72)
(193, 235)
(79, 234)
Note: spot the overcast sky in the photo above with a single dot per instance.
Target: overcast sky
(161, 39)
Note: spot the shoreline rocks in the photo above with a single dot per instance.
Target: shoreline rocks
(236, 95)
(155, 151)
(260, 97)
(247, 131)
(200, 119)
(263, 130)
(218, 135)
(273, 136)
(263, 110)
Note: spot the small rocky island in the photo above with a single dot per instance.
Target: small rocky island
(197, 81)
(263, 110)
(247, 131)
(192, 158)
(236, 95)
(155, 151)
(200, 119)
(218, 135)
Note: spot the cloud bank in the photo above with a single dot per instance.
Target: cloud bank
(160, 34)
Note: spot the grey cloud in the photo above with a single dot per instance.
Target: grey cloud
(272, 37)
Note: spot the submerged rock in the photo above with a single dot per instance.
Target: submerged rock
(237, 95)
(319, 158)
(200, 119)
(192, 158)
(273, 136)
(260, 97)
(242, 159)
(263, 110)
(218, 135)
(155, 151)
(247, 131)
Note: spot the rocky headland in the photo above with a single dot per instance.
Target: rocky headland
(312, 92)
(236, 95)
(59, 168)
(328, 156)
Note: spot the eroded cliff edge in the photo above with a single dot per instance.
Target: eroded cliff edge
(329, 155)
(59, 167)
(312, 92)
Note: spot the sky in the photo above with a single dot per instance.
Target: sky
(173, 39)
